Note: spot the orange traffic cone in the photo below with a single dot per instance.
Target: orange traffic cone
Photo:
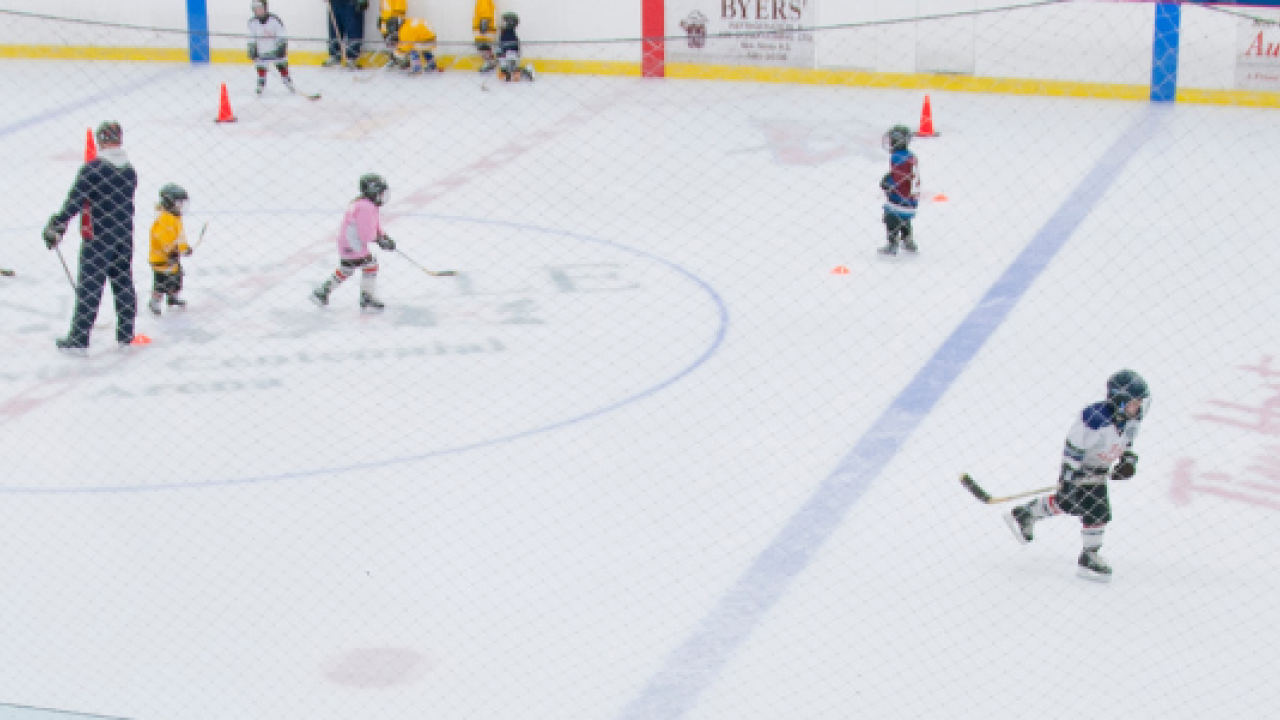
(926, 120)
(224, 107)
(90, 149)
(840, 270)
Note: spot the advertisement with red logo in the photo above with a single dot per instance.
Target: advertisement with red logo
(741, 32)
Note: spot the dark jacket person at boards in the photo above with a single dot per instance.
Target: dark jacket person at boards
(102, 195)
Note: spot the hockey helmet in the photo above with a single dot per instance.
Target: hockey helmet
(109, 133)
(510, 21)
(391, 28)
(896, 138)
(373, 187)
(1125, 386)
(173, 198)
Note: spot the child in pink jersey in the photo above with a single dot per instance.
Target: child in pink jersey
(360, 229)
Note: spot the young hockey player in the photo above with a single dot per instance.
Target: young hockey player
(360, 228)
(901, 186)
(411, 42)
(168, 246)
(486, 33)
(267, 45)
(1102, 435)
(509, 51)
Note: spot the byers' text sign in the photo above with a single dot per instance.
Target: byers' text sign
(741, 32)
(1258, 52)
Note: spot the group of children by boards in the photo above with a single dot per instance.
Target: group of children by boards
(410, 43)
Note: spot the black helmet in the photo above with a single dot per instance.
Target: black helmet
(372, 186)
(393, 25)
(109, 133)
(1125, 386)
(510, 20)
(896, 138)
(173, 198)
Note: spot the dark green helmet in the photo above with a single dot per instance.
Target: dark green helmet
(173, 198)
(372, 186)
(896, 138)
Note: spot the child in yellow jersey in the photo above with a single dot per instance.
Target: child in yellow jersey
(486, 29)
(168, 245)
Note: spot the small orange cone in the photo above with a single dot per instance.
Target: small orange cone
(90, 149)
(224, 107)
(140, 339)
(940, 197)
(926, 120)
(840, 270)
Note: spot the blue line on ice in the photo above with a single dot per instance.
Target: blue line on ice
(696, 664)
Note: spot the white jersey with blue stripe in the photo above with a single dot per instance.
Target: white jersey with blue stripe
(1098, 438)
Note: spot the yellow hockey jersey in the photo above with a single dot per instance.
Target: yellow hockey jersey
(485, 22)
(167, 239)
(416, 34)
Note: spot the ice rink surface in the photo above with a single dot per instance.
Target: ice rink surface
(646, 457)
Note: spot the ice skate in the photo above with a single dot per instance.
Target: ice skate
(154, 305)
(332, 61)
(488, 66)
(262, 85)
(1020, 523)
(176, 301)
(1093, 567)
(909, 244)
(369, 303)
(889, 250)
(527, 71)
(288, 82)
(320, 296)
(67, 347)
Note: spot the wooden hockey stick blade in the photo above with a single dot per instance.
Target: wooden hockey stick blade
(972, 486)
(441, 273)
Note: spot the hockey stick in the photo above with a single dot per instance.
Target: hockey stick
(66, 269)
(6, 272)
(984, 496)
(201, 239)
(337, 34)
(436, 273)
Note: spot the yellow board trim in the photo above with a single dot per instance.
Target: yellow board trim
(683, 71)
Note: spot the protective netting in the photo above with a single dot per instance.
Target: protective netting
(646, 427)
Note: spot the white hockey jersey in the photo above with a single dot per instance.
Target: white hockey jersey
(1097, 439)
(267, 35)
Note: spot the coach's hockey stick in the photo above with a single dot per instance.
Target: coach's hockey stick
(984, 496)
(65, 269)
(436, 273)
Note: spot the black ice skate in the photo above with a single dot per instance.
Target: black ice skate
(321, 294)
(175, 301)
(1020, 523)
(889, 250)
(369, 303)
(909, 244)
(67, 347)
(1093, 567)
(154, 306)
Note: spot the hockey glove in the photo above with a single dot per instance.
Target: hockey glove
(1127, 467)
(362, 5)
(886, 182)
(282, 48)
(253, 51)
(53, 233)
(386, 243)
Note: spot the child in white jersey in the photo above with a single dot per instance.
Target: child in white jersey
(267, 45)
(1102, 435)
(361, 228)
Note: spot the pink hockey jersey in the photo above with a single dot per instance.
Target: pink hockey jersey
(361, 227)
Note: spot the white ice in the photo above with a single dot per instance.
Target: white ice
(602, 473)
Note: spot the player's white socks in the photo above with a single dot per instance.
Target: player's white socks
(1092, 536)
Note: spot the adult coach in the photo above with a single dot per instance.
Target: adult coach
(346, 31)
(103, 197)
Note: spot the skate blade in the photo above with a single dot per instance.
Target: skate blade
(1087, 574)
(1015, 529)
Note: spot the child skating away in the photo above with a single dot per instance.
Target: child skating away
(168, 247)
(361, 228)
(267, 45)
(901, 186)
(509, 51)
(1099, 447)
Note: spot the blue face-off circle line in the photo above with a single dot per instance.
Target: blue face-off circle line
(717, 340)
